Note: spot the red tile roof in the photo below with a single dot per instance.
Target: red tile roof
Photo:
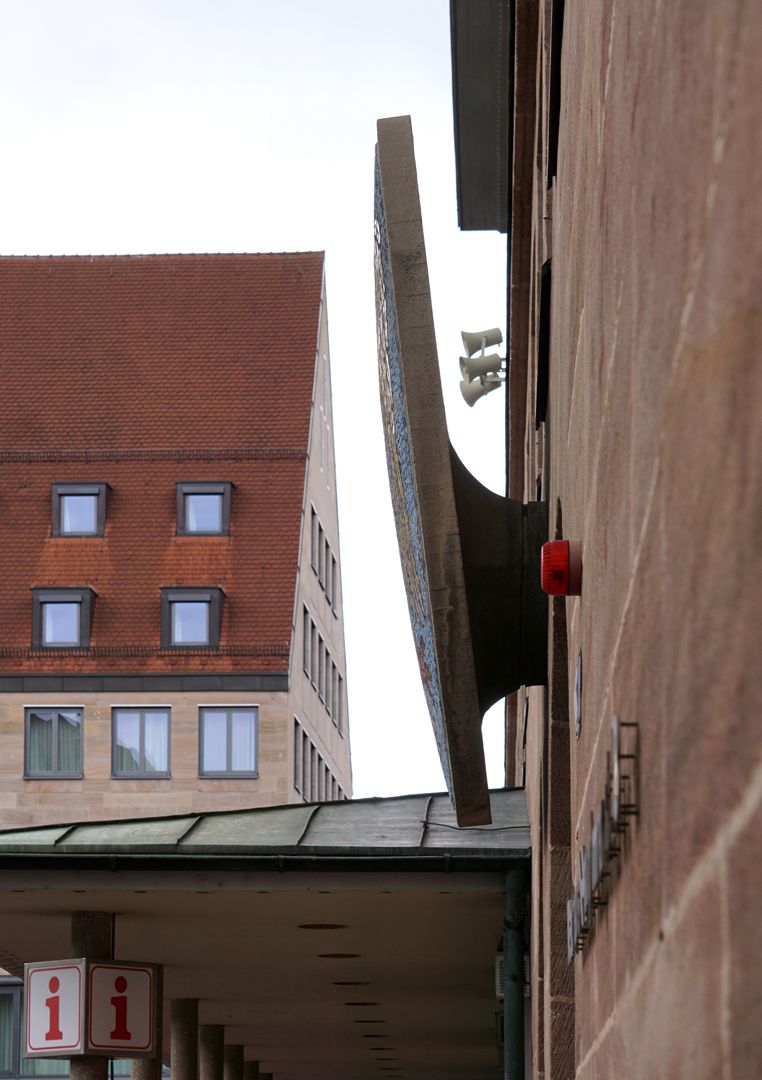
(142, 371)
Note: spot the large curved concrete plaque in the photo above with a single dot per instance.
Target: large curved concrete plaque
(470, 558)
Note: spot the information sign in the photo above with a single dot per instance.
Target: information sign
(121, 1007)
(54, 995)
(77, 1007)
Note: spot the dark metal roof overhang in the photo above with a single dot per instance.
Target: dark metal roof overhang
(470, 558)
(408, 833)
(482, 91)
(302, 929)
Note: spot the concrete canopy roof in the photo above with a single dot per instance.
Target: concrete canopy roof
(346, 941)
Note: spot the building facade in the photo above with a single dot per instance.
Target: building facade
(634, 282)
(172, 638)
(616, 146)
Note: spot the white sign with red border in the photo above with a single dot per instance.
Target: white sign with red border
(54, 994)
(76, 1007)
(121, 1007)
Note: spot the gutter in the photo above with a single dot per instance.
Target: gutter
(499, 862)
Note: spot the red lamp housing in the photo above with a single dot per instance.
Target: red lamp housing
(561, 568)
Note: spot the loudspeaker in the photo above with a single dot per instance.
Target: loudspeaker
(472, 391)
(473, 367)
(481, 340)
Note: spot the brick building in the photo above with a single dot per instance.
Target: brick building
(172, 635)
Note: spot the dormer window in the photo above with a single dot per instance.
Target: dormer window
(61, 618)
(190, 617)
(203, 509)
(79, 509)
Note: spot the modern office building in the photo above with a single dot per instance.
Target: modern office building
(616, 147)
(172, 635)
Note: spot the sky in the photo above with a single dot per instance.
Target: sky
(146, 126)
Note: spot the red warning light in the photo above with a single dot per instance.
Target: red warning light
(561, 568)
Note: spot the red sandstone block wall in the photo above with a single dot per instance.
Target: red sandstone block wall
(652, 452)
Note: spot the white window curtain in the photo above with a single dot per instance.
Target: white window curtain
(242, 757)
(156, 741)
(215, 755)
(69, 741)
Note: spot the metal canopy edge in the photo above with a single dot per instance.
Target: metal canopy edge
(405, 832)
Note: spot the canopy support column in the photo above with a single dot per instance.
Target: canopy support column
(184, 1039)
(92, 936)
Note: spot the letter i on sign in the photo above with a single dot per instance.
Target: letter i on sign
(120, 1031)
(53, 1005)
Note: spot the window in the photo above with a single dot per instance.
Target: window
(190, 617)
(330, 667)
(228, 741)
(297, 755)
(305, 764)
(314, 540)
(203, 509)
(306, 641)
(330, 562)
(340, 705)
(315, 638)
(313, 773)
(335, 694)
(61, 618)
(140, 742)
(321, 556)
(53, 743)
(79, 509)
(321, 669)
(334, 585)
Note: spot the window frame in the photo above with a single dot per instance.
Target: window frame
(314, 660)
(306, 640)
(61, 488)
(314, 524)
(82, 596)
(334, 585)
(177, 594)
(305, 763)
(330, 667)
(203, 487)
(321, 669)
(229, 773)
(340, 706)
(54, 774)
(297, 747)
(11, 987)
(321, 556)
(143, 773)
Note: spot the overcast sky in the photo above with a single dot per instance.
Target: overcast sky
(141, 126)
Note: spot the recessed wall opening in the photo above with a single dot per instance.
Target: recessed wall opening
(543, 347)
(554, 88)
